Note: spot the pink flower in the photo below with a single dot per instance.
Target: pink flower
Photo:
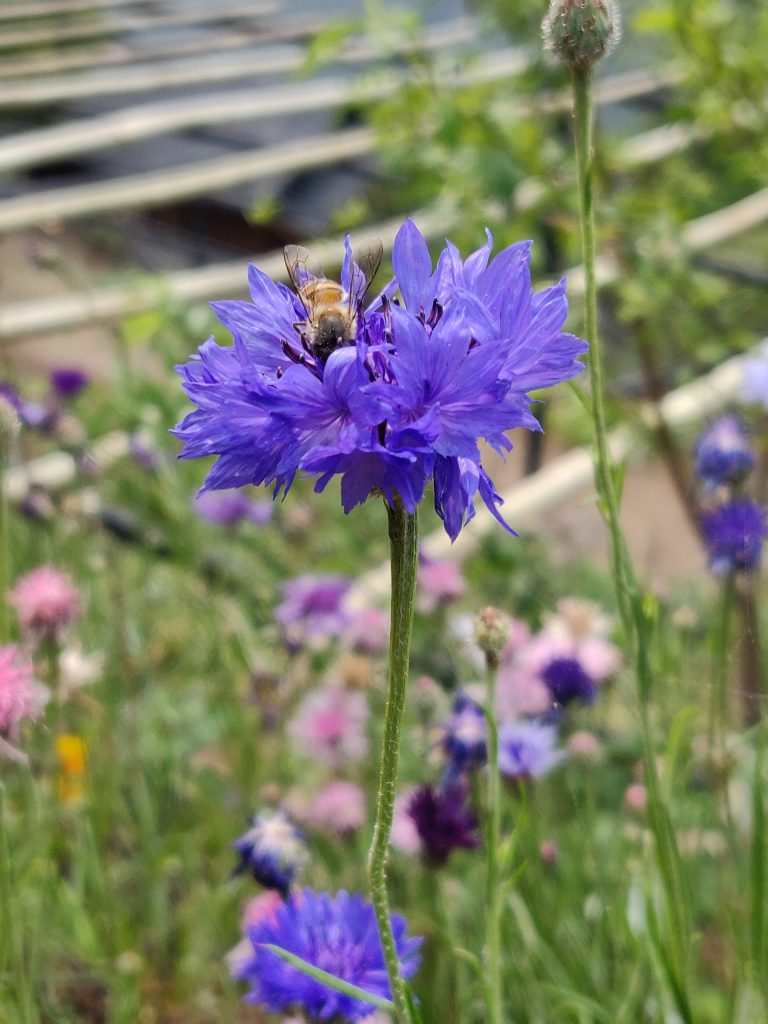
(21, 696)
(339, 808)
(329, 725)
(520, 693)
(584, 744)
(256, 910)
(440, 582)
(404, 835)
(46, 602)
(368, 631)
(636, 797)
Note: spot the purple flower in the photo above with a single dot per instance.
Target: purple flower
(724, 454)
(567, 680)
(272, 850)
(528, 750)
(734, 534)
(443, 821)
(755, 376)
(312, 607)
(228, 508)
(68, 381)
(337, 934)
(406, 401)
(466, 735)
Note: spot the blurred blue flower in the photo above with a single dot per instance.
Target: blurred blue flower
(228, 508)
(443, 821)
(755, 376)
(68, 381)
(337, 934)
(272, 850)
(405, 402)
(528, 749)
(313, 607)
(724, 454)
(567, 680)
(465, 735)
(734, 535)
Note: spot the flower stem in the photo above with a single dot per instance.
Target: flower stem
(5, 544)
(493, 904)
(404, 551)
(637, 614)
(583, 121)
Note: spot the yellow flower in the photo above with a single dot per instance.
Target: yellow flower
(71, 752)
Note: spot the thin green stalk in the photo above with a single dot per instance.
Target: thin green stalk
(583, 121)
(5, 546)
(404, 553)
(493, 904)
(636, 615)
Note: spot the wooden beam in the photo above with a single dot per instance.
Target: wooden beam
(95, 28)
(154, 188)
(38, 316)
(154, 76)
(88, 135)
(59, 8)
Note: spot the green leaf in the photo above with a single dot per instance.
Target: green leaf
(328, 979)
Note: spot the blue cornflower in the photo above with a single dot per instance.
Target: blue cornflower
(405, 402)
(337, 934)
(567, 680)
(724, 454)
(443, 821)
(272, 850)
(528, 749)
(465, 736)
(734, 535)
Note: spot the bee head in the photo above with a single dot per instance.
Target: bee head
(331, 332)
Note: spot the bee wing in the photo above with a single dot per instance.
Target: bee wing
(302, 267)
(365, 266)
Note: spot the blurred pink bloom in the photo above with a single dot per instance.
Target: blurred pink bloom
(636, 797)
(330, 724)
(440, 582)
(256, 910)
(46, 602)
(21, 696)
(584, 744)
(338, 808)
(368, 632)
(405, 835)
(548, 851)
(520, 693)
(599, 658)
(519, 636)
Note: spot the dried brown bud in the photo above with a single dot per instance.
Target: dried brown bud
(492, 631)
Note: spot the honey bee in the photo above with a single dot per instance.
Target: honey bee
(331, 310)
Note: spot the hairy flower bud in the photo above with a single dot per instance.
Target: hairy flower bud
(492, 631)
(580, 32)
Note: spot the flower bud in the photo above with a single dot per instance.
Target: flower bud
(580, 32)
(492, 632)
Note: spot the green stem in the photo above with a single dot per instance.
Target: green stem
(583, 121)
(636, 616)
(404, 552)
(5, 545)
(493, 904)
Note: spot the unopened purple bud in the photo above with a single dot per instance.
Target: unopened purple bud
(68, 381)
(580, 32)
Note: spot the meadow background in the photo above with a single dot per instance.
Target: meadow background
(180, 686)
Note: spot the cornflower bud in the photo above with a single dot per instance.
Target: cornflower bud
(492, 632)
(580, 32)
